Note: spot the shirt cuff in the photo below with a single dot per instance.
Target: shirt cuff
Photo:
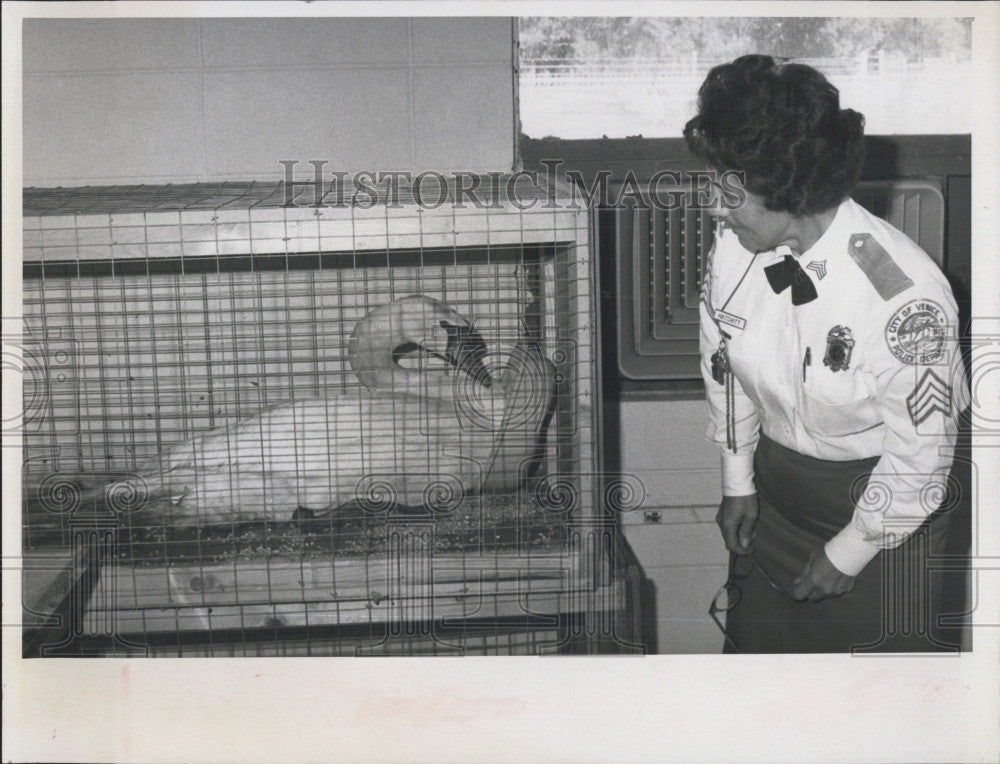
(737, 474)
(849, 552)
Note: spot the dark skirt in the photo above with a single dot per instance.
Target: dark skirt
(804, 502)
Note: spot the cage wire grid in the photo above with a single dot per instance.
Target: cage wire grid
(155, 315)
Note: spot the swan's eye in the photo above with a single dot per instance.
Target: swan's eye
(404, 350)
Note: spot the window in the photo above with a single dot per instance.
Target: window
(618, 77)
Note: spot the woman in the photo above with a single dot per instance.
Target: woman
(827, 349)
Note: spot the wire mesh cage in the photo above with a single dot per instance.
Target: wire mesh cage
(257, 422)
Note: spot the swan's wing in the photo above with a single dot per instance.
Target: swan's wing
(311, 453)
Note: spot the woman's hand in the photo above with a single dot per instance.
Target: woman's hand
(821, 580)
(736, 519)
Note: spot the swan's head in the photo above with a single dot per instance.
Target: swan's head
(415, 335)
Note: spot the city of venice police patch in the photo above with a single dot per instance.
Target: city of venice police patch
(916, 332)
(931, 394)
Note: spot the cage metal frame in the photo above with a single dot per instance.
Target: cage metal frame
(90, 630)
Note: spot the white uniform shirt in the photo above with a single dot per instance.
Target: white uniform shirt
(897, 398)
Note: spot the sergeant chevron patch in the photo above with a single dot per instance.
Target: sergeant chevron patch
(818, 267)
(931, 394)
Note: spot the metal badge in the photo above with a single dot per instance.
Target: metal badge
(720, 363)
(839, 343)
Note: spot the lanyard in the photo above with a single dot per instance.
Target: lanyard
(708, 298)
(722, 371)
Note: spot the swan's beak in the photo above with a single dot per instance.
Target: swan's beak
(465, 351)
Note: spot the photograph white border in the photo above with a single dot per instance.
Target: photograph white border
(656, 708)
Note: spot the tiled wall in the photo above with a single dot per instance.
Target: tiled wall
(176, 100)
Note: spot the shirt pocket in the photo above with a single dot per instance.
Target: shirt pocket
(836, 404)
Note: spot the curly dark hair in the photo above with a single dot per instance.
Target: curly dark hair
(781, 125)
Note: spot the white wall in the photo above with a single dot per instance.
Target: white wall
(188, 100)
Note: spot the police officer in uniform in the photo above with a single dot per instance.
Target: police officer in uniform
(828, 344)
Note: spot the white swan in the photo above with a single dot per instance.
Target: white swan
(412, 436)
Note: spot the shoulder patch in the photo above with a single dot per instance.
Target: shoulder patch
(881, 270)
(916, 332)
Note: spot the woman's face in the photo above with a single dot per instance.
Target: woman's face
(757, 228)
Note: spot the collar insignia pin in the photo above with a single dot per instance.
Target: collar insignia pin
(839, 343)
(818, 267)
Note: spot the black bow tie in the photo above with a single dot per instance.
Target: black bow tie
(789, 273)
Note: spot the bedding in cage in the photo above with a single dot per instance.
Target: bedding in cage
(262, 425)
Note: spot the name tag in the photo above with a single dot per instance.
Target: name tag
(728, 318)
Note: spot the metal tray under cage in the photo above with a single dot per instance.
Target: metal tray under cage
(206, 471)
